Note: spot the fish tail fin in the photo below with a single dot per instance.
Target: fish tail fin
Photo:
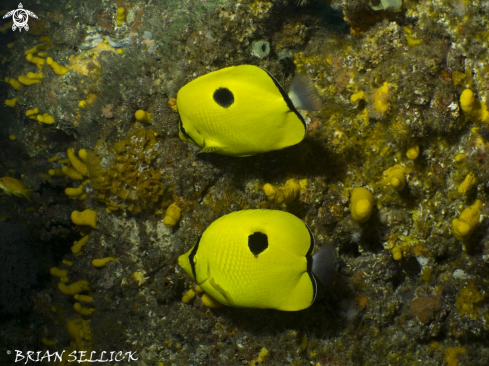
(28, 192)
(324, 263)
(304, 94)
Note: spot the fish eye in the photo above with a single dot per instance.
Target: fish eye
(257, 242)
(224, 97)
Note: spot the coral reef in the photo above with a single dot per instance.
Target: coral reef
(404, 89)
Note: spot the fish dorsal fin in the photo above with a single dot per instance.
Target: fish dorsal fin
(324, 263)
(304, 94)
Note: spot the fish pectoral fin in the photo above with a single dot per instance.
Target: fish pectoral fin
(210, 146)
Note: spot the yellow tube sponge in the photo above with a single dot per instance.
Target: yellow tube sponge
(79, 331)
(395, 177)
(465, 225)
(81, 310)
(143, 116)
(26, 81)
(469, 181)
(283, 194)
(74, 288)
(57, 68)
(45, 118)
(67, 263)
(83, 298)
(473, 108)
(58, 272)
(361, 204)
(13, 83)
(77, 245)
(101, 262)
(11, 102)
(121, 16)
(80, 166)
(72, 173)
(172, 216)
(87, 217)
(38, 61)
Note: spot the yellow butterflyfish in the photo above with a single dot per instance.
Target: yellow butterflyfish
(243, 110)
(259, 259)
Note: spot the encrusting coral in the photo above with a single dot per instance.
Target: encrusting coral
(129, 181)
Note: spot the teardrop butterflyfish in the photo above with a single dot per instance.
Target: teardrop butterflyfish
(259, 259)
(243, 110)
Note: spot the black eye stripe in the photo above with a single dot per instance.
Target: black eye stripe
(224, 97)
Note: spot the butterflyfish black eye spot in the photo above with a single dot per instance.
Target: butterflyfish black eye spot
(257, 242)
(224, 97)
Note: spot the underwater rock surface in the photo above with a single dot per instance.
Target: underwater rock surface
(405, 90)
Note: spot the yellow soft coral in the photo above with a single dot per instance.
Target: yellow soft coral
(283, 194)
(72, 173)
(172, 215)
(32, 112)
(361, 204)
(143, 116)
(76, 192)
(465, 225)
(101, 262)
(87, 217)
(473, 108)
(451, 355)
(38, 61)
(83, 298)
(11, 102)
(81, 310)
(13, 83)
(129, 181)
(412, 151)
(469, 181)
(58, 272)
(395, 177)
(80, 166)
(378, 102)
(78, 245)
(469, 301)
(74, 288)
(26, 81)
(57, 68)
(45, 118)
(35, 76)
(121, 16)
